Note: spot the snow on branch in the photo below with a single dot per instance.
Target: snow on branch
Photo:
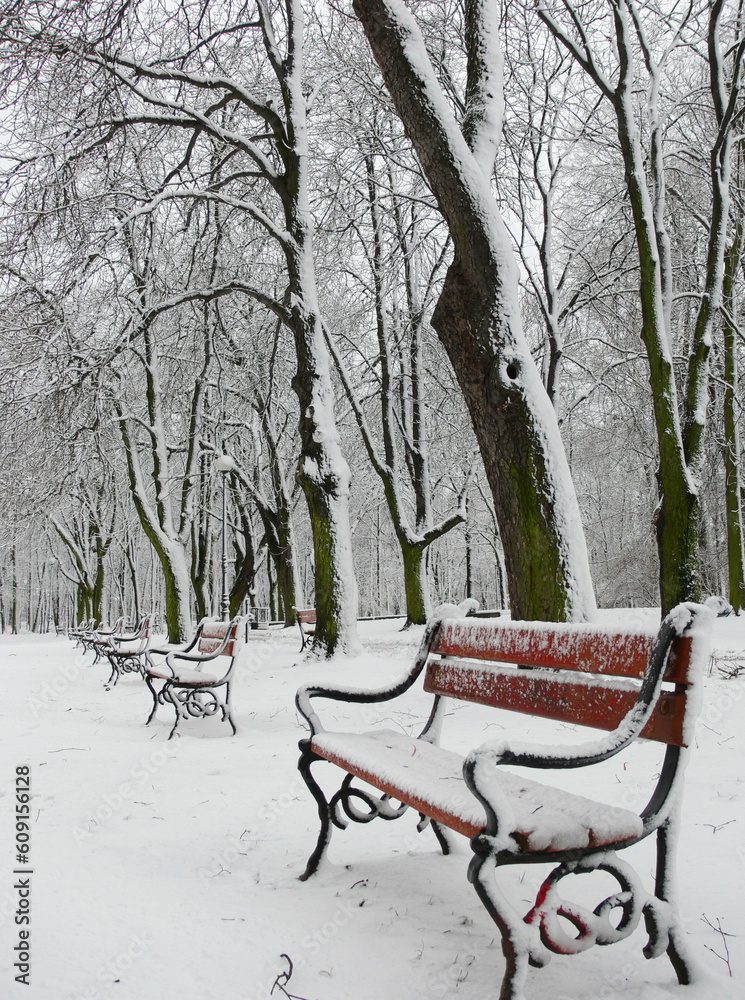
(281, 235)
(482, 122)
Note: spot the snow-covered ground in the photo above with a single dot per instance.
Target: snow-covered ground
(165, 870)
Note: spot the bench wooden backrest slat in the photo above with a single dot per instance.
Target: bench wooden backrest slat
(568, 647)
(213, 634)
(566, 698)
(142, 630)
(306, 617)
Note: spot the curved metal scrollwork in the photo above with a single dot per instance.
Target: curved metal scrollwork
(199, 704)
(343, 801)
(596, 926)
(129, 664)
(123, 663)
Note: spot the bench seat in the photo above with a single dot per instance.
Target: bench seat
(184, 675)
(430, 779)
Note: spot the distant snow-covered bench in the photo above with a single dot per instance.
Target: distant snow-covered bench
(306, 620)
(635, 685)
(195, 693)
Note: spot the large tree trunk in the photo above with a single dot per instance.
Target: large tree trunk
(478, 317)
(416, 584)
(177, 591)
(325, 478)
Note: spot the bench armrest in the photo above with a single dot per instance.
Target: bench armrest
(172, 663)
(356, 695)
(121, 640)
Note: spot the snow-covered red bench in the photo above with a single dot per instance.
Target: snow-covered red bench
(635, 685)
(194, 692)
(97, 640)
(306, 620)
(127, 651)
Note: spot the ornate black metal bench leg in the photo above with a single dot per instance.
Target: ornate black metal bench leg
(441, 835)
(167, 695)
(113, 675)
(153, 692)
(307, 758)
(227, 711)
(677, 949)
(512, 928)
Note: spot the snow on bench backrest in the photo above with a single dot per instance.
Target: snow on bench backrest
(143, 626)
(576, 673)
(213, 636)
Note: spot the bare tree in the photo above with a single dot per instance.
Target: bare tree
(680, 419)
(236, 138)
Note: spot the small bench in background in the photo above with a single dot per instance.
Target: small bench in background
(306, 619)
(192, 691)
(127, 652)
(78, 633)
(97, 641)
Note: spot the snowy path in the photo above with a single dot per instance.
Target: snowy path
(166, 870)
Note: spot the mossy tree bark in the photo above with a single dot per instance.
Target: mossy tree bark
(248, 557)
(477, 316)
(680, 418)
(322, 470)
(731, 451)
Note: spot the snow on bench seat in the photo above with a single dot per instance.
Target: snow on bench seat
(429, 779)
(184, 675)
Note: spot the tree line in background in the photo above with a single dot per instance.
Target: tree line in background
(456, 284)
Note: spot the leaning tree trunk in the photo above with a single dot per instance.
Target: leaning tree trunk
(478, 317)
(324, 476)
(176, 582)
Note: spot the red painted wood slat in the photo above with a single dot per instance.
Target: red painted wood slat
(568, 647)
(581, 702)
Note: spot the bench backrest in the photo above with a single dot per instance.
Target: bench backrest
(306, 617)
(142, 631)
(579, 674)
(213, 636)
(116, 629)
